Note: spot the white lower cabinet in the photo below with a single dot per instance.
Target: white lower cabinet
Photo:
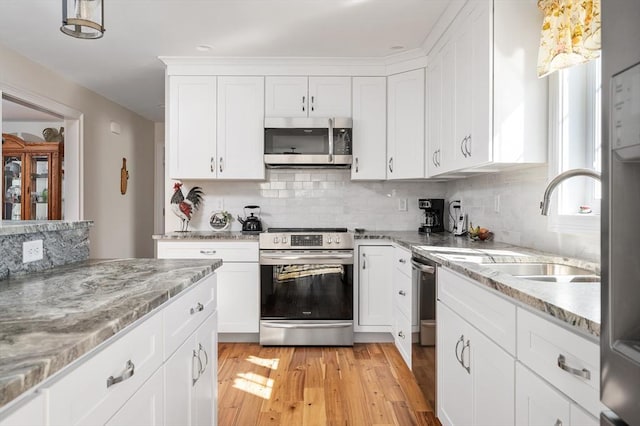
(475, 376)
(405, 312)
(375, 286)
(190, 379)
(538, 403)
(31, 413)
(238, 279)
(144, 407)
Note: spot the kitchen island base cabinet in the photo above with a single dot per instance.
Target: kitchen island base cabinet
(190, 379)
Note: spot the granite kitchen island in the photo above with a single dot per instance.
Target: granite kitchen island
(51, 318)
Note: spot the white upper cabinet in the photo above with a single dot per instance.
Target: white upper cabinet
(308, 96)
(240, 128)
(405, 125)
(216, 127)
(192, 127)
(498, 106)
(369, 128)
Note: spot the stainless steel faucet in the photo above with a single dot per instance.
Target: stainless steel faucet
(544, 204)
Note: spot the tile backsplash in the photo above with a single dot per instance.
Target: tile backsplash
(327, 198)
(519, 220)
(315, 197)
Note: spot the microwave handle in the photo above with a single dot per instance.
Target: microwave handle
(331, 140)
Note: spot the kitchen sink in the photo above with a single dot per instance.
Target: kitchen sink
(547, 272)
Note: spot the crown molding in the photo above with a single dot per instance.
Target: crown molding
(442, 24)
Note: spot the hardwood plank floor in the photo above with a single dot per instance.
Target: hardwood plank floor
(367, 384)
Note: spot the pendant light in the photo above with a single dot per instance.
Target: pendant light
(83, 18)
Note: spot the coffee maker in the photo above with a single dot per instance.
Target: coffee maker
(433, 215)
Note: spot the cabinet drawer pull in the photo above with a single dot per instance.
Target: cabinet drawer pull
(206, 357)
(466, 367)
(460, 340)
(584, 373)
(401, 334)
(195, 367)
(402, 293)
(207, 252)
(402, 260)
(128, 372)
(199, 307)
(357, 170)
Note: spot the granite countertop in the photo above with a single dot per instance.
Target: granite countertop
(576, 304)
(50, 318)
(209, 235)
(10, 227)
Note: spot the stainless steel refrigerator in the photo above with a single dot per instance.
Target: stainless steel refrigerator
(620, 337)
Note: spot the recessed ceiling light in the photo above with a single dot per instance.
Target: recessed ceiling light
(204, 48)
(397, 47)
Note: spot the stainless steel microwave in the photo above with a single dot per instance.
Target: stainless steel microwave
(308, 142)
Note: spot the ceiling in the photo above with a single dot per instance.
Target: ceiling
(124, 67)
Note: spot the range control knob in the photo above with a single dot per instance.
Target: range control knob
(284, 240)
(328, 240)
(337, 239)
(276, 240)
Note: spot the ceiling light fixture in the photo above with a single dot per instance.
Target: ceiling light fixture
(397, 47)
(204, 48)
(83, 18)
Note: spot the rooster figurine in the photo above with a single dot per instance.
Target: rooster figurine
(184, 207)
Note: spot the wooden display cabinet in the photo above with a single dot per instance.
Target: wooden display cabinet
(31, 179)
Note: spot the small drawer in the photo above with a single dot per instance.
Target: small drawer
(227, 251)
(99, 386)
(568, 361)
(187, 312)
(489, 313)
(402, 293)
(402, 335)
(402, 260)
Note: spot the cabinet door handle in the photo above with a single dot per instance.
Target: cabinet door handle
(462, 147)
(401, 334)
(207, 252)
(357, 165)
(213, 164)
(206, 357)
(467, 345)
(303, 103)
(402, 293)
(439, 152)
(221, 165)
(467, 145)
(402, 260)
(460, 340)
(195, 367)
(391, 164)
(433, 158)
(199, 308)
(364, 261)
(584, 373)
(313, 106)
(128, 372)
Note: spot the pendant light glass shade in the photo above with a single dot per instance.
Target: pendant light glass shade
(83, 18)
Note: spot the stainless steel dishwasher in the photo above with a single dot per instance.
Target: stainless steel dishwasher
(424, 275)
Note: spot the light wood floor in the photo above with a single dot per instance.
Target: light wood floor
(368, 384)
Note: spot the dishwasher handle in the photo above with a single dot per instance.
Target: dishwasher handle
(423, 268)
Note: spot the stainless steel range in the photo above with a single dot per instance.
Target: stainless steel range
(306, 284)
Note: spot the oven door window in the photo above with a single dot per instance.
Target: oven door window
(318, 292)
(296, 141)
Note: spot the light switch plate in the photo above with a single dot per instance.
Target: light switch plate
(402, 204)
(32, 251)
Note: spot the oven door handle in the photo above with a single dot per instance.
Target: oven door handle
(423, 268)
(315, 259)
(307, 325)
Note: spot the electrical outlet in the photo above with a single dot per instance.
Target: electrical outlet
(496, 204)
(402, 204)
(32, 251)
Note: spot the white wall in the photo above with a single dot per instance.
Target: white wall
(312, 198)
(123, 223)
(519, 220)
